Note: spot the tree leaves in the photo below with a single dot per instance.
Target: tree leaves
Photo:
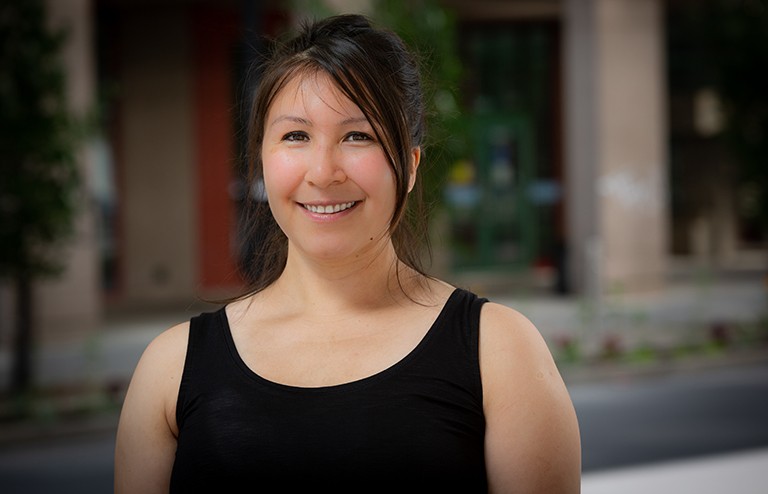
(38, 139)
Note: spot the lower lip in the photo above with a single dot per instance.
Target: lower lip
(329, 217)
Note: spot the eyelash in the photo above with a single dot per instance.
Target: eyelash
(358, 136)
(295, 136)
(302, 136)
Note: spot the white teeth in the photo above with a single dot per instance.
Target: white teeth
(335, 208)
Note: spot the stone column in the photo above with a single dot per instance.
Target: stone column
(615, 127)
(157, 157)
(70, 305)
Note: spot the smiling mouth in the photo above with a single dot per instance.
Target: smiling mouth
(329, 208)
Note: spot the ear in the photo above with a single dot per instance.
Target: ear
(414, 166)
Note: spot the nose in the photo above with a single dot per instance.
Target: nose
(325, 169)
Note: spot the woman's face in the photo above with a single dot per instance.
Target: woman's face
(328, 181)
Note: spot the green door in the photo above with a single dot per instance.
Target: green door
(491, 218)
(504, 199)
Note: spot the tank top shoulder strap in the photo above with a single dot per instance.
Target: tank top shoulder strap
(456, 338)
(206, 354)
(464, 308)
(206, 330)
(472, 307)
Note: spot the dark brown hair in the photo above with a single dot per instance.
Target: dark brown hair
(378, 73)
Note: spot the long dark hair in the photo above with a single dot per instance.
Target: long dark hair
(377, 72)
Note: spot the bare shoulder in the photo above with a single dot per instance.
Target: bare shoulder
(147, 431)
(510, 341)
(156, 379)
(532, 436)
(168, 348)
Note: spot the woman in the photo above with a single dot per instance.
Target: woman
(345, 367)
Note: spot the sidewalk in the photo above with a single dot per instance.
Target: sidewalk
(733, 473)
(681, 313)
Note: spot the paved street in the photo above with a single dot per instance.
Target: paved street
(77, 465)
(645, 420)
(678, 433)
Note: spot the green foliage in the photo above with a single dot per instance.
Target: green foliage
(567, 350)
(430, 30)
(311, 9)
(37, 142)
(643, 354)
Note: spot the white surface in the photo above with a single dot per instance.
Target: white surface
(733, 473)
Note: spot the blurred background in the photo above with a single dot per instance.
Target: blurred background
(598, 164)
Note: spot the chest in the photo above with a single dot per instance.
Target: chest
(359, 440)
(416, 426)
(327, 351)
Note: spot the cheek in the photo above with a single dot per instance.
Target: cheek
(373, 174)
(387, 178)
(282, 174)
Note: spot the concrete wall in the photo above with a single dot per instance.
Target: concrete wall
(157, 167)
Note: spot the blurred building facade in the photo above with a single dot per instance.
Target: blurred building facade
(568, 178)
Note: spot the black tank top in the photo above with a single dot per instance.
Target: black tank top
(417, 426)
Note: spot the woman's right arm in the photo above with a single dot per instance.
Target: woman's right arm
(146, 434)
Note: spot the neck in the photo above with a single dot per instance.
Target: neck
(334, 286)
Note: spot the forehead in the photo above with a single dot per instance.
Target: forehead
(311, 93)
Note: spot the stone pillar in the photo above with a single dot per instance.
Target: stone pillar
(581, 127)
(70, 305)
(159, 246)
(615, 127)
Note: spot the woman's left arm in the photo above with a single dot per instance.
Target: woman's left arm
(532, 442)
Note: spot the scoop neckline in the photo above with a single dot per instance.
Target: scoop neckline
(357, 383)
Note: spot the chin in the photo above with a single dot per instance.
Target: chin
(326, 252)
(338, 250)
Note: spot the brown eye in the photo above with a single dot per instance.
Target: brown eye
(295, 136)
(358, 136)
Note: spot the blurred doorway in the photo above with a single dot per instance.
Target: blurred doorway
(506, 199)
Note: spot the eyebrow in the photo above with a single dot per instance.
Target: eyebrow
(308, 123)
(354, 120)
(291, 118)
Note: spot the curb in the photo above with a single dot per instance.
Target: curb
(603, 372)
(13, 434)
